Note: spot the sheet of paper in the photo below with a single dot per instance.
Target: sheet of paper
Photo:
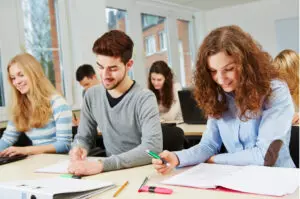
(273, 181)
(61, 166)
(54, 186)
(202, 176)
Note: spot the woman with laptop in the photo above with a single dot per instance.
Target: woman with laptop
(37, 110)
(161, 82)
(249, 109)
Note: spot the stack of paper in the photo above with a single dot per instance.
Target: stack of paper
(58, 188)
(250, 179)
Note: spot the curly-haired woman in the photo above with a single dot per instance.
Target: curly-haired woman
(247, 105)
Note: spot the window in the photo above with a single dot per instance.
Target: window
(186, 55)
(42, 39)
(150, 45)
(155, 39)
(116, 19)
(2, 102)
(162, 41)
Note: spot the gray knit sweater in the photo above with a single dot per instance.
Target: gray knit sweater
(128, 128)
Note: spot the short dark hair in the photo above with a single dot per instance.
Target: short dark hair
(84, 70)
(114, 43)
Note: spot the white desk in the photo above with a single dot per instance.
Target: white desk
(192, 129)
(24, 169)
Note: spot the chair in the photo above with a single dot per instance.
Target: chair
(294, 145)
(173, 138)
(22, 141)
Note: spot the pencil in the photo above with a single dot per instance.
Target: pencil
(120, 189)
(74, 115)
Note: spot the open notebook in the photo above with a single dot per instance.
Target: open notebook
(250, 179)
(53, 188)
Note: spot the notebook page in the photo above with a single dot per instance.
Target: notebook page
(61, 166)
(202, 176)
(273, 181)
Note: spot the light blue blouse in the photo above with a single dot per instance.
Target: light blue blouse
(246, 142)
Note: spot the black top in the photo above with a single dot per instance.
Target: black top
(114, 101)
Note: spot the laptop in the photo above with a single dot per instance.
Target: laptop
(5, 160)
(191, 113)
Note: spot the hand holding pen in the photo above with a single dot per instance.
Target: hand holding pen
(171, 161)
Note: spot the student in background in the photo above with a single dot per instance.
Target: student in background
(126, 114)
(36, 110)
(248, 107)
(161, 82)
(287, 62)
(86, 76)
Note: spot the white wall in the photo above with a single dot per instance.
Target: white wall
(257, 18)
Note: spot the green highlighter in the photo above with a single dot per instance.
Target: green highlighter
(156, 156)
(70, 176)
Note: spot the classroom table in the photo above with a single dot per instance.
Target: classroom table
(24, 169)
(192, 129)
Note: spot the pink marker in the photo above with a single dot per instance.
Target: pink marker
(155, 190)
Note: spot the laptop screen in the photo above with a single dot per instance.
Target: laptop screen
(191, 113)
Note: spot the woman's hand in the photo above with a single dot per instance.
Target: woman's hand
(171, 159)
(13, 150)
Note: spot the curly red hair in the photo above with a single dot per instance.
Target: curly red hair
(254, 68)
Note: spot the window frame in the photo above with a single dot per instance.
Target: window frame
(152, 41)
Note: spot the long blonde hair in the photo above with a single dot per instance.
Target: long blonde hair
(33, 109)
(287, 63)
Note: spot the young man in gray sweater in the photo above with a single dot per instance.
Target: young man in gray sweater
(126, 114)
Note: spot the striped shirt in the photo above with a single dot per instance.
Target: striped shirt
(247, 142)
(58, 131)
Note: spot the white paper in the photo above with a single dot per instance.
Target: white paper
(203, 175)
(273, 181)
(56, 186)
(250, 179)
(61, 166)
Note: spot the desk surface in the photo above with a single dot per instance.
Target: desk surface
(24, 169)
(192, 129)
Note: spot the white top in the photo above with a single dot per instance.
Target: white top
(174, 113)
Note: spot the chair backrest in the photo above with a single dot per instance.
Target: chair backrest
(294, 145)
(173, 137)
(22, 141)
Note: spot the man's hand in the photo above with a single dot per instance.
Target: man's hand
(12, 151)
(85, 167)
(78, 153)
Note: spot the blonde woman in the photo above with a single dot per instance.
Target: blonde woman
(287, 62)
(36, 110)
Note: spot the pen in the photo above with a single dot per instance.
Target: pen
(144, 182)
(120, 189)
(156, 156)
(74, 115)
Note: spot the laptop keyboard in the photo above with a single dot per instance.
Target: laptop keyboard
(5, 160)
